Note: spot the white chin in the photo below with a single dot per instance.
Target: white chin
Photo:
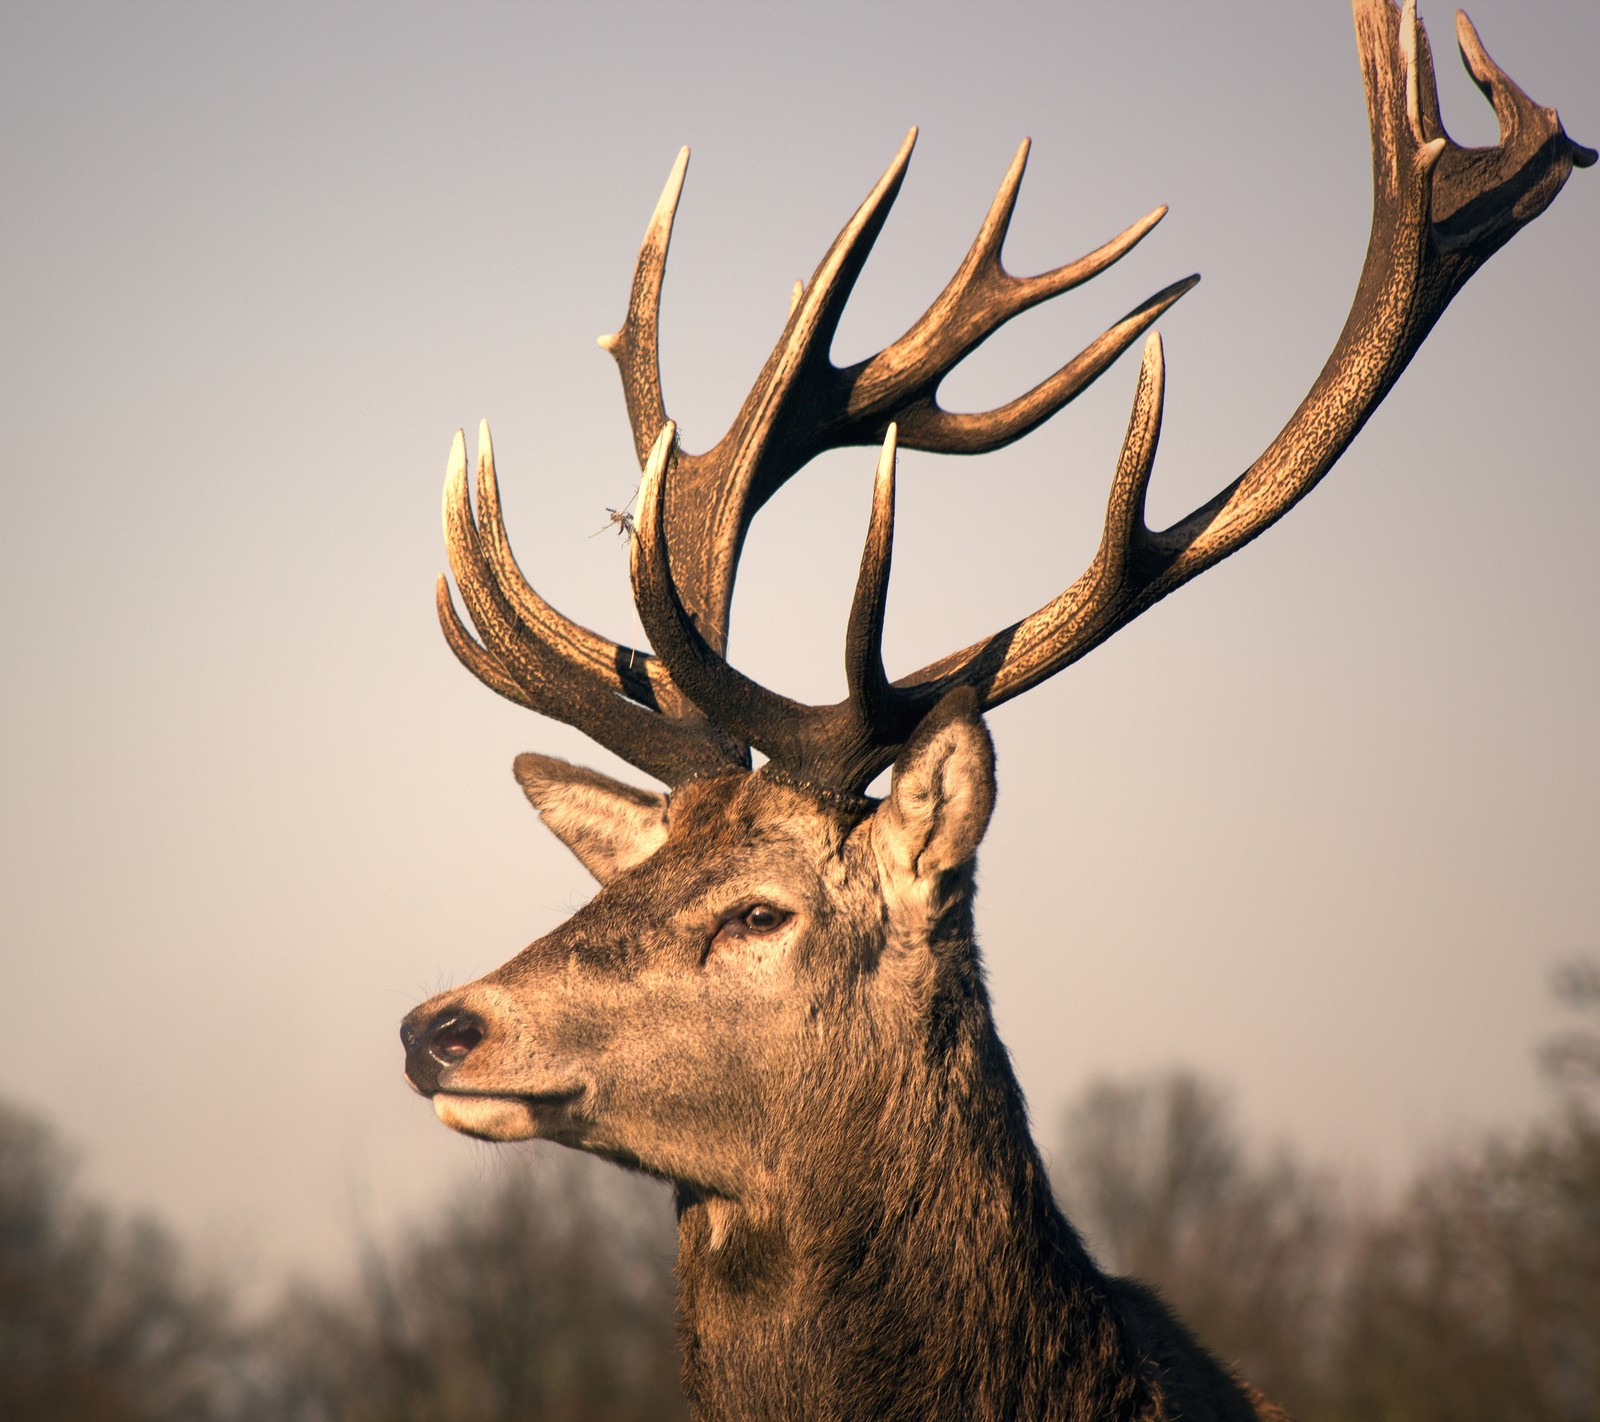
(489, 1118)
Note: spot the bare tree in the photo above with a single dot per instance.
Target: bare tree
(548, 1296)
(101, 1319)
(1247, 1248)
(1474, 1298)
(1480, 1297)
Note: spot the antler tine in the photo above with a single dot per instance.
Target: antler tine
(853, 405)
(545, 667)
(929, 427)
(847, 744)
(473, 657)
(1105, 595)
(636, 345)
(534, 668)
(716, 494)
(1439, 212)
(1494, 83)
(980, 298)
(868, 684)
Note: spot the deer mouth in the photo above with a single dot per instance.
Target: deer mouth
(504, 1118)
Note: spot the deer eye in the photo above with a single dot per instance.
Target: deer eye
(754, 922)
(763, 918)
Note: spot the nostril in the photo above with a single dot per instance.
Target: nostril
(453, 1040)
(438, 1041)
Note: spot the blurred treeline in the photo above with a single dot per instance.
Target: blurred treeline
(546, 1292)
(1474, 1298)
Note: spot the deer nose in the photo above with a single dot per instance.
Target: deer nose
(437, 1042)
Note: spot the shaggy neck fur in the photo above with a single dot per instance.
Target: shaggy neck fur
(913, 1264)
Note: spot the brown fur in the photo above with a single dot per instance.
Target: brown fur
(865, 1226)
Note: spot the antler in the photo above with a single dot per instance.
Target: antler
(801, 404)
(1439, 212)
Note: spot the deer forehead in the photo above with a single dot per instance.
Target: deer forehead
(755, 817)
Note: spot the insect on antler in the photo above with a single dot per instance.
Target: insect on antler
(1439, 212)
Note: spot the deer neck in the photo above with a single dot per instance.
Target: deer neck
(914, 1265)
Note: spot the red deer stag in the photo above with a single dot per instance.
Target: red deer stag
(775, 1001)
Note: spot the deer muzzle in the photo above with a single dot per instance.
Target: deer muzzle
(455, 1056)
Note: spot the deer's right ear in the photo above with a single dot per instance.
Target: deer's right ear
(608, 825)
(927, 830)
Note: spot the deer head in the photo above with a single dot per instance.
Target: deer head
(772, 953)
(753, 935)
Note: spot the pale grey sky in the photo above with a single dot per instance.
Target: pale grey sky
(1318, 826)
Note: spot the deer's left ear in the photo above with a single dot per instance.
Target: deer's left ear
(940, 797)
(610, 826)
